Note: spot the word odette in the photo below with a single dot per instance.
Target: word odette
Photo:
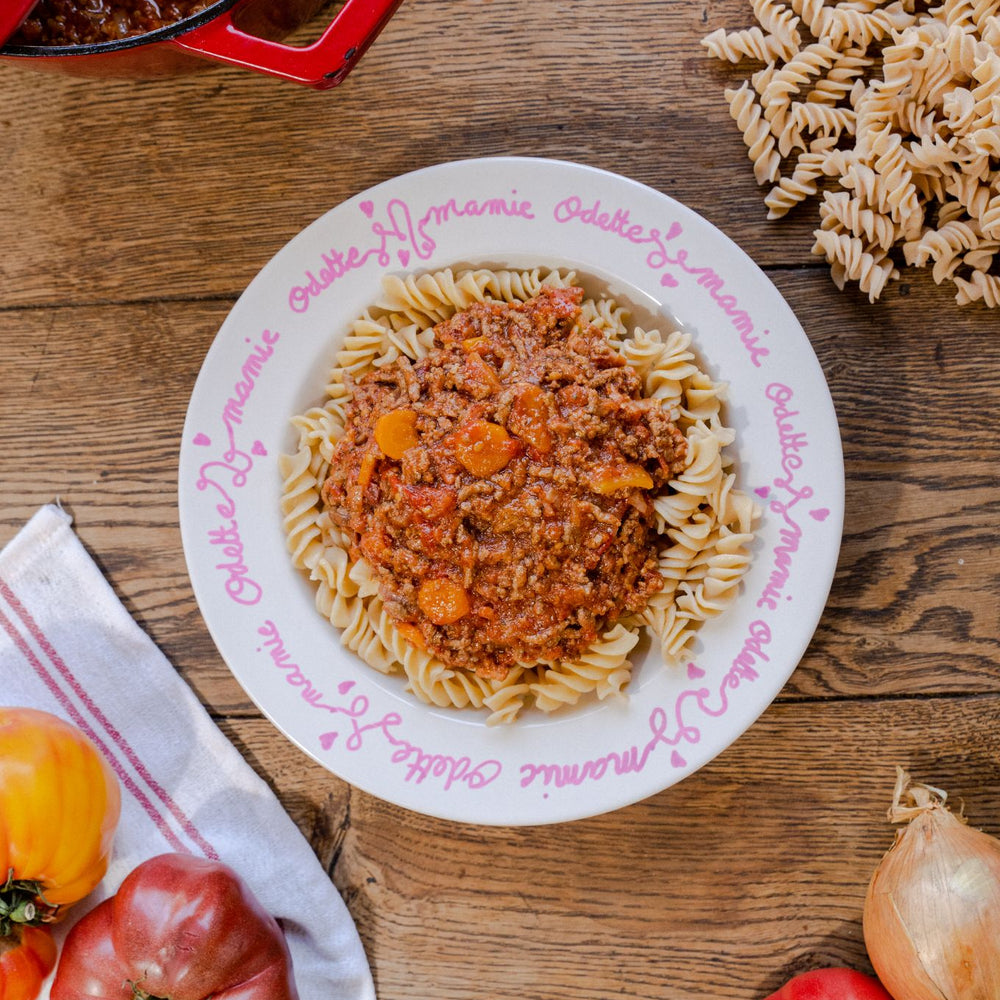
(418, 764)
(618, 222)
(401, 234)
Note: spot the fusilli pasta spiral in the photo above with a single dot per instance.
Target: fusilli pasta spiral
(899, 104)
(705, 521)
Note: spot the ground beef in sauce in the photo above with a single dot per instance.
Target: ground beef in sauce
(499, 487)
(89, 22)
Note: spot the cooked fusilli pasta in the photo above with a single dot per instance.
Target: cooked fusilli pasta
(705, 522)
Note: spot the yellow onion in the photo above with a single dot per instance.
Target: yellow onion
(932, 913)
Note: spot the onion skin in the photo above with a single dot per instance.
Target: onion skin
(932, 912)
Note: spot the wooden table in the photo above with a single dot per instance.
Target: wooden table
(133, 215)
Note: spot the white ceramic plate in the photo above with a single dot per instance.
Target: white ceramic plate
(269, 362)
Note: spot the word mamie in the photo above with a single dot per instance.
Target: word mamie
(250, 370)
(629, 761)
(728, 303)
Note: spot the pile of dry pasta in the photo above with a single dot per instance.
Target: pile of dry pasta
(892, 107)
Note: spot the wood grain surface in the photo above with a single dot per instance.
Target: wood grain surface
(135, 212)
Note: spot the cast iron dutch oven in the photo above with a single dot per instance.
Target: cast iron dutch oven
(243, 33)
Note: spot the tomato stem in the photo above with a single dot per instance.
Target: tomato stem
(138, 993)
(22, 902)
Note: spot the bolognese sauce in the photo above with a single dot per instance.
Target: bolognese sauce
(500, 487)
(90, 22)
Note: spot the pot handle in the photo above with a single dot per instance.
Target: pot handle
(321, 65)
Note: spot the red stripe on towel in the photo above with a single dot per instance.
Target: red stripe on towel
(78, 719)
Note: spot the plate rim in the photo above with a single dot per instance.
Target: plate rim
(440, 809)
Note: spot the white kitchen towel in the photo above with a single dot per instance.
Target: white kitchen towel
(67, 645)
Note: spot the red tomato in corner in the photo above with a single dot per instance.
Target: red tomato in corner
(832, 984)
(179, 928)
(27, 956)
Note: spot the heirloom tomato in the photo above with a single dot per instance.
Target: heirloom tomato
(59, 807)
(179, 928)
(27, 956)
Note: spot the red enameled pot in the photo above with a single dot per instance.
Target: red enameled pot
(243, 33)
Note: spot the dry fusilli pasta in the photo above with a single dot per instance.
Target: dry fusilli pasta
(900, 108)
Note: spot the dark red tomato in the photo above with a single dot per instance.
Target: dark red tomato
(832, 984)
(179, 928)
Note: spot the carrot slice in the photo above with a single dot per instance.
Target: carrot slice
(484, 448)
(396, 433)
(442, 601)
(412, 634)
(610, 479)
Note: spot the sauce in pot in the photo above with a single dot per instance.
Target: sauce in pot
(89, 22)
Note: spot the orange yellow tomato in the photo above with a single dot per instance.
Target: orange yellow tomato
(479, 377)
(59, 807)
(529, 416)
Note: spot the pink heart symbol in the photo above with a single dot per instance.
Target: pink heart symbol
(674, 231)
(668, 281)
(258, 448)
(202, 439)
(677, 760)
(326, 740)
(762, 491)
(820, 514)
(404, 257)
(694, 671)
(344, 686)
(368, 208)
